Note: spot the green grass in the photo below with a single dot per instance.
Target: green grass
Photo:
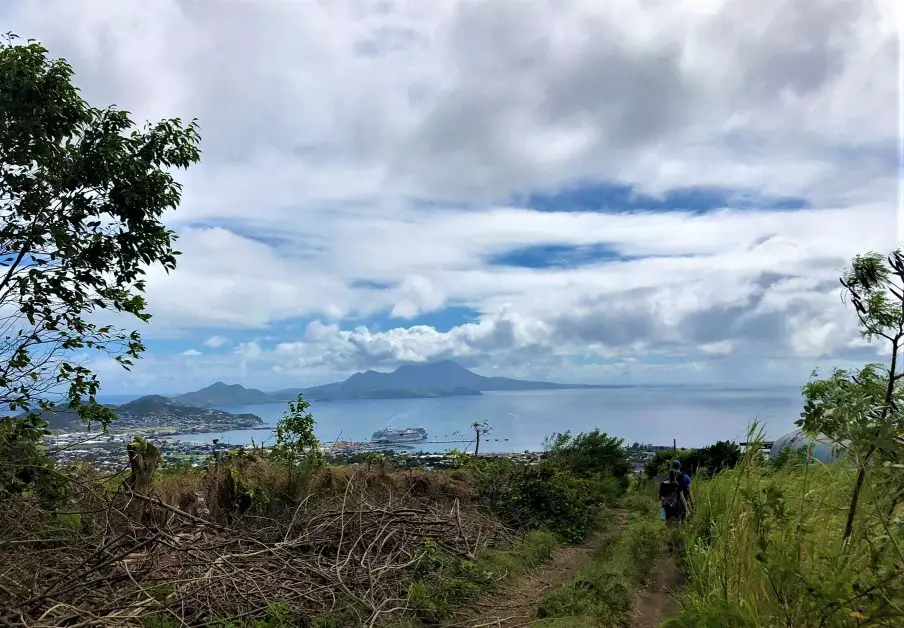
(603, 592)
(535, 550)
(444, 583)
(764, 548)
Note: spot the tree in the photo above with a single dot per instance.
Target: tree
(295, 437)
(480, 428)
(82, 193)
(589, 454)
(862, 408)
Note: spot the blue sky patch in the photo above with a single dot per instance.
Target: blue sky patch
(280, 331)
(305, 248)
(555, 256)
(608, 197)
(442, 321)
(367, 284)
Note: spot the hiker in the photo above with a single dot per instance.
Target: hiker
(685, 481)
(674, 494)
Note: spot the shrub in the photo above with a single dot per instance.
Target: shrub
(591, 455)
(563, 493)
(543, 496)
(710, 459)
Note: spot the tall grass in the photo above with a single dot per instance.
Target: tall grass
(603, 592)
(764, 548)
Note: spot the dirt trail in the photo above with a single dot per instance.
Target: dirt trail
(656, 603)
(515, 602)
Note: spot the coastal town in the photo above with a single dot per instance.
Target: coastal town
(108, 451)
(170, 423)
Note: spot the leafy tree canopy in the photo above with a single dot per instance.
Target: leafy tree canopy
(82, 193)
(589, 453)
(861, 408)
(711, 459)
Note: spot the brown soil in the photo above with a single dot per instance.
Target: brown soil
(514, 603)
(656, 603)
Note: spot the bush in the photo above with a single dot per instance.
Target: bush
(710, 459)
(544, 496)
(563, 494)
(548, 497)
(24, 465)
(591, 455)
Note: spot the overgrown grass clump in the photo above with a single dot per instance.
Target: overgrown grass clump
(603, 592)
(442, 583)
(764, 548)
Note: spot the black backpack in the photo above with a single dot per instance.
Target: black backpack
(673, 499)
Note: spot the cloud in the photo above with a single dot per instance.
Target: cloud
(215, 342)
(644, 190)
(191, 352)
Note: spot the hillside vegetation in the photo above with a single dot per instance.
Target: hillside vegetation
(792, 541)
(270, 538)
(280, 538)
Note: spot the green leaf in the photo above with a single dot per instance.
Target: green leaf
(82, 196)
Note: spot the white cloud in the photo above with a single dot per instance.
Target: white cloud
(355, 155)
(215, 342)
(250, 350)
(191, 352)
(721, 347)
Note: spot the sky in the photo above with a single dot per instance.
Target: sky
(646, 191)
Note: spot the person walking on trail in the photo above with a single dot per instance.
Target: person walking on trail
(674, 494)
(685, 481)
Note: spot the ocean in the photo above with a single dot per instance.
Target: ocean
(521, 421)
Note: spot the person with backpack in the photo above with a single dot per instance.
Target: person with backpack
(685, 481)
(674, 494)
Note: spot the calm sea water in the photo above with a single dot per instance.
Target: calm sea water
(694, 416)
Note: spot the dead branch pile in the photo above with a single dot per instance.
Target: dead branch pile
(136, 556)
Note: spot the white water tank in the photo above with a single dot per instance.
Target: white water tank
(824, 449)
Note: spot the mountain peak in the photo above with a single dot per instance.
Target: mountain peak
(155, 398)
(222, 394)
(440, 366)
(223, 386)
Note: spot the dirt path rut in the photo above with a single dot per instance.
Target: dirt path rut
(514, 604)
(656, 603)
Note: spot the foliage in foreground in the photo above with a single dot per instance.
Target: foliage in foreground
(764, 548)
(564, 493)
(284, 525)
(603, 592)
(798, 543)
(82, 193)
(710, 459)
(444, 583)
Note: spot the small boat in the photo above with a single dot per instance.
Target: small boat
(399, 435)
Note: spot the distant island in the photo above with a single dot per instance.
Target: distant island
(156, 411)
(221, 394)
(436, 379)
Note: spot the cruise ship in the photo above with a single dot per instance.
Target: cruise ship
(399, 435)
